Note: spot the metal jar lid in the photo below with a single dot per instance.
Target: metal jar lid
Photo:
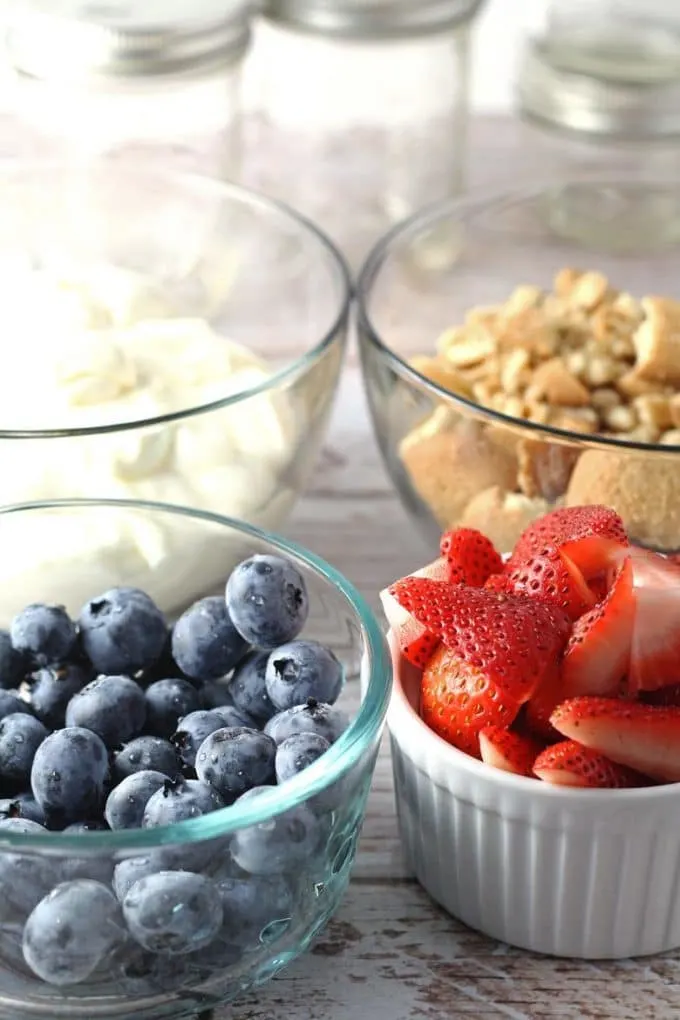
(595, 106)
(83, 41)
(371, 19)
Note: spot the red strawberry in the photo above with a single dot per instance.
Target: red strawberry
(571, 764)
(509, 640)
(586, 535)
(655, 648)
(415, 643)
(511, 752)
(497, 582)
(550, 577)
(664, 696)
(598, 652)
(457, 700)
(643, 737)
(471, 556)
(541, 706)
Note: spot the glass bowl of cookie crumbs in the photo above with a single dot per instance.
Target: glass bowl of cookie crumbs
(511, 370)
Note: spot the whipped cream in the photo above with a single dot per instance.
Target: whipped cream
(104, 348)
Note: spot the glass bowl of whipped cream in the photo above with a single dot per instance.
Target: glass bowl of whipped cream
(168, 338)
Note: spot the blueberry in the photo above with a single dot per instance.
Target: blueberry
(70, 931)
(68, 775)
(23, 805)
(215, 694)
(252, 905)
(125, 804)
(205, 643)
(12, 663)
(122, 631)
(178, 800)
(10, 703)
(20, 737)
(297, 753)
(46, 634)
(313, 717)
(302, 670)
(129, 871)
(267, 600)
(91, 825)
(144, 753)
(24, 878)
(173, 912)
(248, 688)
(50, 689)
(283, 843)
(113, 707)
(235, 759)
(194, 728)
(167, 701)
(96, 866)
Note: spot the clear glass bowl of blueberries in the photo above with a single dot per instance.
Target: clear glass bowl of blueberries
(181, 799)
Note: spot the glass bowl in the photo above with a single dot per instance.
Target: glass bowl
(270, 918)
(123, 289)
(469, 449)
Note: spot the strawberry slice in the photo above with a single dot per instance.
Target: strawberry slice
(416, 644)
(598, 651)
(586, 535)
(471, 556)
(509, 640)
(511, 752)
(642, 737)
(541, 706)
(664, 696)
(570, 764)
(457, 700)
(655, 648)
(497, 582)
(548, 576)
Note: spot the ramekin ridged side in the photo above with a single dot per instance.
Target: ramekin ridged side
(593, 874)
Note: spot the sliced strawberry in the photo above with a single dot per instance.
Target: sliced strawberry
(457, 700)
(570, 764)
(471, 556)
(643, 737)
(511, 752)
(586, 535)
(664, 696)
(655, 648)
(510, 640)
(498, 583)
(541, 706)
(597, 655)
(550, 577)
(415, 642)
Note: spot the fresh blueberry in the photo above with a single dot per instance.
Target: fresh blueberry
(248, 688)
(165, 666)
(23, 805)
(45, 634)
(283, 843)
(313, 717)
(267, 600)
(91, 825)
(234, 759)
(50, 689)
(10, 703)
(215, 694)
(168, 701)
(24, 878)
(205, 643)
(144, 753)
(252, 906)
(173, 912)
(69, 772)
(195, 727)
(96, 866)
(125, 804)
(12, 663)
(122, 631)
(178, 800)
(113, 707)
(70, 931)
(297, 753)
(302, 670)
(129, 871)
(20, 737)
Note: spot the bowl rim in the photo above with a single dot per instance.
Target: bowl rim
(338, 760)
(416, 740)
(461, 210)
(244, 196)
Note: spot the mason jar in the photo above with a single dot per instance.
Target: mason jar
(158, 80)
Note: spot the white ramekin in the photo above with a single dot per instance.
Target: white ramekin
(593, 874)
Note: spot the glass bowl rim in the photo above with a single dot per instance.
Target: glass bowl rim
(461, 210)
(332, 765)
(245, 196)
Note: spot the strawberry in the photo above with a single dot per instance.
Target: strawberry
(643, 737)
(457, 700)
(598, 651)
(541, 705)
(415, 643)
(509, 640)
(548, 576)
(586, 535)
(511, 752)
(570, 764)
(497, 582)
(664, 696)
(471, 556)
(655, 648)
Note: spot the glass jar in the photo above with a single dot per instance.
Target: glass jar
(157, 80)
(363, 109)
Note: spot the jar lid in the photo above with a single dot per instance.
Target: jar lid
(596, 106)
(371, 19)
(85, 41)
